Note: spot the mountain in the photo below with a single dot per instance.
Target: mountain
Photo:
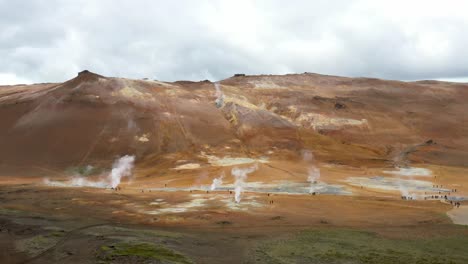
(93, 119)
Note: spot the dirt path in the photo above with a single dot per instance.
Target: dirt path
(459, 215)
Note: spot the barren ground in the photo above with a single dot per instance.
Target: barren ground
(342, 171)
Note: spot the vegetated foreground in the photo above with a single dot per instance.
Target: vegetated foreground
(300, 168)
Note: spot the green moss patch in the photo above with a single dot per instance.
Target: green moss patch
(36, 244)
(141, 251)
(347, 246)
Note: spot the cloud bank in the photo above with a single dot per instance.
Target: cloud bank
(49, 41)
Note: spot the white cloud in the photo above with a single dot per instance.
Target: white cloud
(460, 80)
(11, 78)
(172, 40)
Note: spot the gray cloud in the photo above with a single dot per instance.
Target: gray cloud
(52, 40)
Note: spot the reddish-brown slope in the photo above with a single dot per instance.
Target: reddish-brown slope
(92, 119)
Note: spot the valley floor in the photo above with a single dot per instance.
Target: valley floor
(347, 215)
(57, 224)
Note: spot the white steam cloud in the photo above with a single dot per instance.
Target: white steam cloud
(80, 181)
(313, 171)
(240, 176)
(403, 190)
(405, 193)
(314, 175)
(217, 182)
(219, 96)
(120, 169)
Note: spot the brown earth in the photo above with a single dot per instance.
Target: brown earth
(183, 139)
(93, 119)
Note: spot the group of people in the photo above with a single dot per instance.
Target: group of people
(270, 201)
(455, 204)
(440, 196)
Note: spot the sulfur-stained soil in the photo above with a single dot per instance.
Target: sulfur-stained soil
(341, 170)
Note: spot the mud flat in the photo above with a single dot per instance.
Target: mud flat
(395, 184)
(205, 202)
(411, 171)
(92, 225)
(280, 187)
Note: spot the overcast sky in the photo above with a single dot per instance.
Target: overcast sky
(51, 40)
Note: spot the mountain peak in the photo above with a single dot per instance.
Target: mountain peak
(86, 75)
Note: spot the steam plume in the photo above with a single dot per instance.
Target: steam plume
(121, 168)
(403, 189)
(217, 182)
(240, 176)
(80, 181)
(314, 172)
(219, 96)
(314, 175)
